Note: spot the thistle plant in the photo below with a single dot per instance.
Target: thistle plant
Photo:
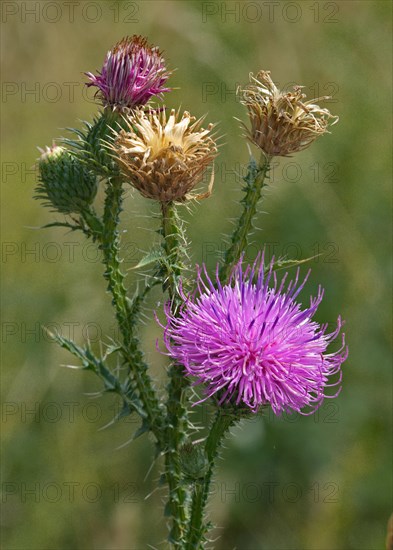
(242, 334)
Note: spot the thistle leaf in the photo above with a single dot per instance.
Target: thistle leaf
(155, 255)
(110, 380)
(145, 427)
(283, 263)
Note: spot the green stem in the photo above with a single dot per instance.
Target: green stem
(93, 226)
(255, 180)
(172, 233)
(173, 239)
(197, 527)
(110, 247)
(125, 315)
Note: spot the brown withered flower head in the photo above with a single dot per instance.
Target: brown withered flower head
(282, 123)
(165, 157)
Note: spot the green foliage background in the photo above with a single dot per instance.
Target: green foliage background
(320, 482)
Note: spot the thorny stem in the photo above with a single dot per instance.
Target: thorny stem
(255, 181)
(172, 234)
(125, 315)
(197, 527)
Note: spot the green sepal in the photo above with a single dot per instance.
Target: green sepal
(92, 143)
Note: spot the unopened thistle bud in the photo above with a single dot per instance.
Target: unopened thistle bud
(282, 123)
(193, 461)
(65, 183)
(132, 73)
(165, 158)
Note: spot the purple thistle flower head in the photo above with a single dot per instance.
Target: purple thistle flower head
(132, 73)
(252, 344)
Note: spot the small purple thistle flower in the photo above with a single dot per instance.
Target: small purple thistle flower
(252, 344)
(132, 73)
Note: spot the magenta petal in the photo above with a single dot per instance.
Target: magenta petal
(132, 73)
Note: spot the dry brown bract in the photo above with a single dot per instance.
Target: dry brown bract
(282, 123)
(165, 158)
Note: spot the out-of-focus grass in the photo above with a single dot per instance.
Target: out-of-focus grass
(316, 482)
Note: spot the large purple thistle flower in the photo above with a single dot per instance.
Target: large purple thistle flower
(132, 73)
(252, 344)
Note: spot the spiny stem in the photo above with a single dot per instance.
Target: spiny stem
(110, 247)
(173, 239)
(172, 233)
(197, 527)
(125, 316)
(254, 180)
(92, 226)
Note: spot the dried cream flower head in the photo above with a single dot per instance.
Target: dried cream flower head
(164, 157)
(282, 123)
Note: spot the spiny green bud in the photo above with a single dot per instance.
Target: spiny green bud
(97, 155)
(91, 143)
(193, 461)
(65, 183)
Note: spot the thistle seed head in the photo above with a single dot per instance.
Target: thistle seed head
(282, 123)
(165, 157)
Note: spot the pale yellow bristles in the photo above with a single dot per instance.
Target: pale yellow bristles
(282, 123)
(164, 157)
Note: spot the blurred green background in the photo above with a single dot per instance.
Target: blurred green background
(320, 482)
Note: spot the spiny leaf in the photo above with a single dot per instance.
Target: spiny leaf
(155, 255)
(145, 427)
(125, 411)
(73, 227)
(111, 382)
(287, 264)
(113, 348)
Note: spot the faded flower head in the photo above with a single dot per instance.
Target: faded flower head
(132, 73)
(282, 123)
(252, 344)
(164, 157)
